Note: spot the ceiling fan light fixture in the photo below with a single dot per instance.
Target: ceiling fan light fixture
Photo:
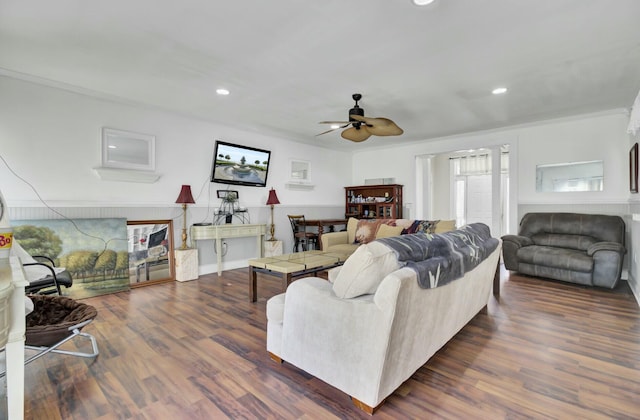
(423, 2)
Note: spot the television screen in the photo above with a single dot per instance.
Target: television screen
(240, 165)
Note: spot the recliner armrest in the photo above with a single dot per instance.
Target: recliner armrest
(606, 246)
(517, 240)
(510, 246)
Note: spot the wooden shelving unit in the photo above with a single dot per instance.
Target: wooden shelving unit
(373, 201)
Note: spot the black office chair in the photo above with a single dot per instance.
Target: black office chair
(300, 235)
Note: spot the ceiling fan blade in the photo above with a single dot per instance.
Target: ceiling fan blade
(355, 134)
(328, 131)
(335, 122)
(379, 126)
(346, 124)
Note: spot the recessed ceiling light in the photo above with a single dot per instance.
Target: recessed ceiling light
(499, 91)
(422, 2)
(222, 91)
(334, 126)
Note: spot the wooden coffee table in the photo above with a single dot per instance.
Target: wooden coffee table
(289, 266)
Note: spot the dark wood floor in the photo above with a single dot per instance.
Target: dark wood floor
(196, 350)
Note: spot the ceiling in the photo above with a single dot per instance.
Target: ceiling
(290, 64)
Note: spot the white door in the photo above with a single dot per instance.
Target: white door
(478, 200)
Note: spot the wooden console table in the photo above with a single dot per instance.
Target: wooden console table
(228, 231)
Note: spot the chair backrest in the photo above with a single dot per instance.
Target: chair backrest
(298, 223)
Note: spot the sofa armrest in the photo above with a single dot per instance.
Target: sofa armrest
(606, 246)
(517, 240)
(333, 238)
(510, 246)
(319, 328)
(607, 263)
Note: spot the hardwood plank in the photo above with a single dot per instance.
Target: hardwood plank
(196, 350)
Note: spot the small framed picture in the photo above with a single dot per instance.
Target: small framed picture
(633, 169)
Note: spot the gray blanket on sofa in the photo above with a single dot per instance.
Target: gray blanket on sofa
(439, 259)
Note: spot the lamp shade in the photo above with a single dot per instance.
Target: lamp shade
(185, 196)
(273, 198)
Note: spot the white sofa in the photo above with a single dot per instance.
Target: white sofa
(369, 345)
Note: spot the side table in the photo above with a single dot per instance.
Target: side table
(186, 264)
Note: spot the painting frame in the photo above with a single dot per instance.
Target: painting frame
(151, 246)
(633, 168)
(92, 250)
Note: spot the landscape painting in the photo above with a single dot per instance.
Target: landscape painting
(94, 251)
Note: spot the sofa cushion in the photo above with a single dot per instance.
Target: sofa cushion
(386, 231)
(363, 271)
(567, 259)
(344, 248)
(367, 229)
(443, 226)
(352, 225)
(580, 242)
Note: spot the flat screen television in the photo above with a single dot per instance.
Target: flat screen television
(240, 165)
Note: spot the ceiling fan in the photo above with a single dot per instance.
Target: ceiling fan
(363, 127)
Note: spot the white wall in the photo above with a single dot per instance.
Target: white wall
(52, 139)
(590, 137)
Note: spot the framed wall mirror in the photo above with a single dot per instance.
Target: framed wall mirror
(570, 177)
(150, 246)
(128, 150)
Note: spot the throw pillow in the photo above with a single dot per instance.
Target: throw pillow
(445, 226)
(421, 226)
(363, 271)
(385, 231)
(366, 230)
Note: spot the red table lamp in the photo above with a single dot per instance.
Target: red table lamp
(273, 199)
(185, 198)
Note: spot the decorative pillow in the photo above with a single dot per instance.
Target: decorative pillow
(352, 225)
(363, 271)
(445, 226)
(385, 231)
(421, 226)
(366, 230)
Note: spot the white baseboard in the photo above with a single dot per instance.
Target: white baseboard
(226, 265)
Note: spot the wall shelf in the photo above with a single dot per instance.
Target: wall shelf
(299, 186)
(126, 175)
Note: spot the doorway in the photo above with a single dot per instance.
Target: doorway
(468, 188)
